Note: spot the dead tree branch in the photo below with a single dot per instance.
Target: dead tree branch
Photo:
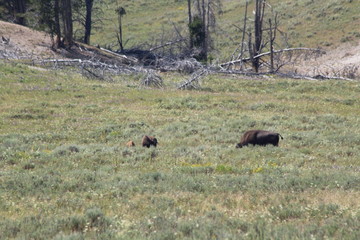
(152, 79)
(95, 65)
(167, 44)
(268, 53)
(93, 74)
(193, 81)
(313, 78)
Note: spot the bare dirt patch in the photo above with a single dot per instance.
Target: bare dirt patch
(341, 61)
(19, 42)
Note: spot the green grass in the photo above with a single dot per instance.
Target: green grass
(306, 23)
(65, 172)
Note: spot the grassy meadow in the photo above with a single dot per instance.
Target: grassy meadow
(65, 172)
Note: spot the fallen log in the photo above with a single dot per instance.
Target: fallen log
(194, 78)
(268, 53)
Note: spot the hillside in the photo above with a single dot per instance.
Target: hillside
(306, 23)
(24, 43)
(325, 24)
(31, 44)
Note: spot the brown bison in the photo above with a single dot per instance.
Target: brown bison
(147, 141)
(259, 137)
(130, 144)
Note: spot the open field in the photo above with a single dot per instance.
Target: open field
(65, 172)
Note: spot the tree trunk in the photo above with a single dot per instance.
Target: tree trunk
(120, 34)
(88, 21)
(190, 21)
(251, 52)
(68, 25)
(204, 47)
(198, 7)
(259, 10)
(19, 11)
(271, 46)
(57, 29)
(243, 36)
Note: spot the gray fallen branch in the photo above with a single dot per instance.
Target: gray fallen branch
(236, 72)
(93, 74)
(313, 78)
(131, 59)
(268, 53)
(287, 75)
(152, 79)
(193, 79)
(167, 44)
(188, 65)
(92, 64)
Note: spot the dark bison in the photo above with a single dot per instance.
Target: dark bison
(130, 144)
(259, 137)
(147, 141)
